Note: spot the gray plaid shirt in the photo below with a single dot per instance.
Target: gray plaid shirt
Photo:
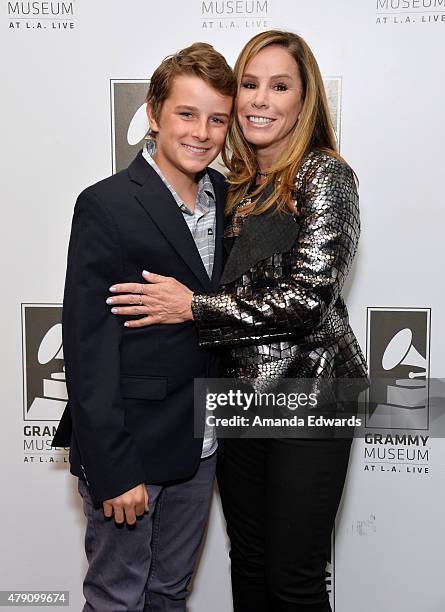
(202, 225)
(202, 221)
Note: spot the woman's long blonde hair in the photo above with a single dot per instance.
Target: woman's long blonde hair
(313, 130)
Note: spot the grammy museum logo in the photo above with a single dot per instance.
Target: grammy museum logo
(398, 348)
(44, 385)
(48, 16)
(397, 418)
(235, 14)
(420, 12)
(129, 123)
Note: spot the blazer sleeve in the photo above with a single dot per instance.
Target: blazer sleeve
(299, 302)
(91, 341)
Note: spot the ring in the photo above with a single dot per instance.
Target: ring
(140, 299)
(142, 289)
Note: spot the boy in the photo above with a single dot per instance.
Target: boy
(129, 420)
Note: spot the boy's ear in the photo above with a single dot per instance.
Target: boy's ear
(151, 119)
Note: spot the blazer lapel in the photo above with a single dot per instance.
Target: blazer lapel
(220, 194)
(261, 236)
(158, 202)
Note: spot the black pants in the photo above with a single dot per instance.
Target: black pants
(280, 499)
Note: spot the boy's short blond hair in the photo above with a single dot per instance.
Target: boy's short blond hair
(200, 60)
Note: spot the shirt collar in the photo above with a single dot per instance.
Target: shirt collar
(204, 182)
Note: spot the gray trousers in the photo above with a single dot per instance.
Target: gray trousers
(147, 568)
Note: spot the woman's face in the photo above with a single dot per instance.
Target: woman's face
(270, 100)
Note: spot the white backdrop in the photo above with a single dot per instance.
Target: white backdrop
(59, 62)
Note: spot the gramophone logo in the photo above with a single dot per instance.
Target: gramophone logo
(398, 347)
(129, 122)
(44, 385)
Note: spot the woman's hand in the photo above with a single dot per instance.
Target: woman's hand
(161, 300)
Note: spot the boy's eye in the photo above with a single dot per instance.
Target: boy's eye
(186, 114)
(217, 120)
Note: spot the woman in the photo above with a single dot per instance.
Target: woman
(292, 232)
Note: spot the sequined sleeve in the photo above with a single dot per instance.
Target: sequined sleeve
(320, 260)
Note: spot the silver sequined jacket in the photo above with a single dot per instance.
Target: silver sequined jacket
(279, 312)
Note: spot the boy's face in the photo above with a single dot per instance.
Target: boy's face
(191, 127)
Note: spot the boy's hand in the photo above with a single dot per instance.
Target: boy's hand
(127, 506)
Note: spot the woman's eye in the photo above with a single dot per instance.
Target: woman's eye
(280, 87)
(186, 115)
(248, 85)
(217, 120)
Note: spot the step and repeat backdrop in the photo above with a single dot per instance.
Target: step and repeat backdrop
(74, 77)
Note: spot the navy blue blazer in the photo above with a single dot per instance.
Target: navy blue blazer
(130, 415)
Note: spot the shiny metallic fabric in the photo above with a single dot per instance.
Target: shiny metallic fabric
(279, 312)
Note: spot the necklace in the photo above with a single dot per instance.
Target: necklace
(264, 174)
